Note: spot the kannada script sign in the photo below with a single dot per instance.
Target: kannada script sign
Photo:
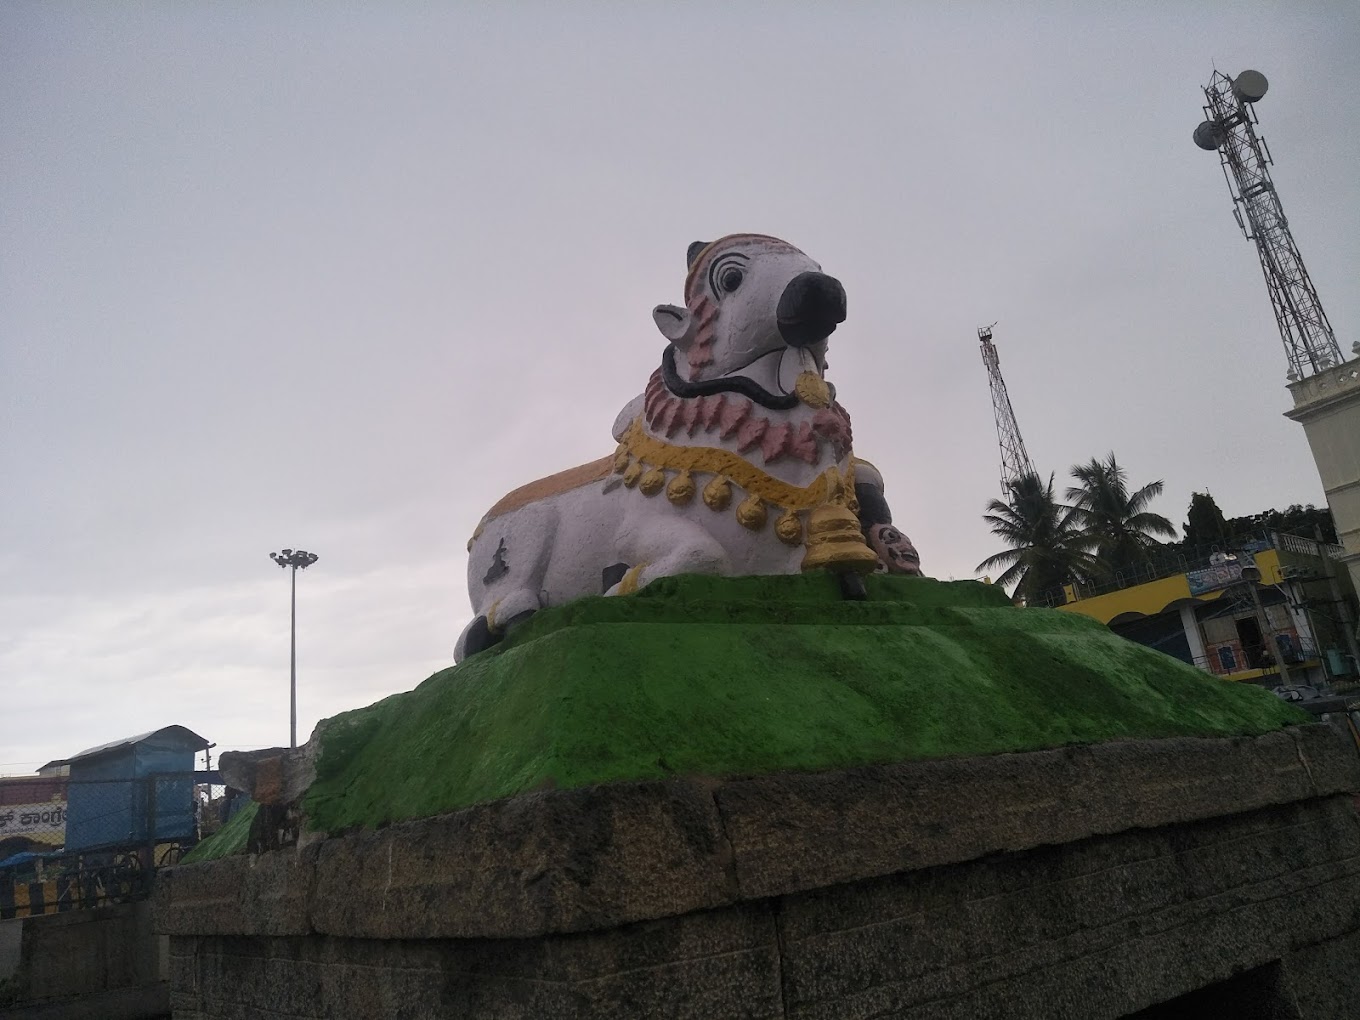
(1210, 578)
(46, 822)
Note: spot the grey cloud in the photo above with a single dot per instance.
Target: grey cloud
(341, 280)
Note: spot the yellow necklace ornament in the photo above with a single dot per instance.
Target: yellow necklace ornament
(834, 540)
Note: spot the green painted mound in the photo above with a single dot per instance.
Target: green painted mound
(742, 676)
(232, 838)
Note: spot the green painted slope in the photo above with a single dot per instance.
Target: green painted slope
(742, 676)
(230, 839)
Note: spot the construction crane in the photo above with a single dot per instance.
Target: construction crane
(1230, 128)
(1014, 460)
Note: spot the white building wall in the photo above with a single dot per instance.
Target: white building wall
(1327, 405)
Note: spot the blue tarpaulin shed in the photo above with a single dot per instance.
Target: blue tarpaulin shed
(133, 791)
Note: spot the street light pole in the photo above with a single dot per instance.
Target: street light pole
(296, 559)
(1251, 575)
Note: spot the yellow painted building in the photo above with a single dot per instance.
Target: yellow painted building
(1205, 616)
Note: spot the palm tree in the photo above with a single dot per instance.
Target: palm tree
(1118, 524)
(1047, 549)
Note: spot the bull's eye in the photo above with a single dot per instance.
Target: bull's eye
(725, 273)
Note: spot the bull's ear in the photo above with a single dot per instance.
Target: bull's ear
(676, 324)
(693, 253)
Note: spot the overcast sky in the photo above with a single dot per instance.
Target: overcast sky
(338, 276)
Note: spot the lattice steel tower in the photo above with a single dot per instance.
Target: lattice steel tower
(1229, 127)
(1014, 460)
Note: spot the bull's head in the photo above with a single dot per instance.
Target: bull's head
(757, 316)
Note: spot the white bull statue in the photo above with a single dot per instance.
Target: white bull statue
(736, 459)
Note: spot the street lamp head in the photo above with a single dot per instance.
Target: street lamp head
(295, 558)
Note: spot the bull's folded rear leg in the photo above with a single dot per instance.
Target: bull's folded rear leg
(476, 638)
(665, 547)
(511, 608)
(506, 566)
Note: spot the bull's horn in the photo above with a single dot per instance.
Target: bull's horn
(693, 253)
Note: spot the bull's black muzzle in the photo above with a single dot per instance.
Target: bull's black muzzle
(810, 308)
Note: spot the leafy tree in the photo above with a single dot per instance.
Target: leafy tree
(1046, 551)
(1293, 520)
(1116, 523)
(1204, 522)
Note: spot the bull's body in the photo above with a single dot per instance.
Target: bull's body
(722, 461)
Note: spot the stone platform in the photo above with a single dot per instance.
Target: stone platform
(1090, 882)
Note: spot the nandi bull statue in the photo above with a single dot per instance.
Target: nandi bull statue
(736, 459)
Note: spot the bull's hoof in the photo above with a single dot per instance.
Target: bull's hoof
(480, 637)
(852, 587)
(611, 576)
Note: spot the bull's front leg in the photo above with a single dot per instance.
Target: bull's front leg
(663, 546)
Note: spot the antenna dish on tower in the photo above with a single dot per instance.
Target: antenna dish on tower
(1210, 135)
(1229, 127)
(1250, 86)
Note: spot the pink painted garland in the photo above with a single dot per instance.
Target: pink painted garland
(738, 418)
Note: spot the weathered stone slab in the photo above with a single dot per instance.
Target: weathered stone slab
(801, 832)
(696, 967)
(1099, 928)
(260, 894)
(560, 861)
(1266, 903)
(97, 963)
(137, 1003)
(276, 776)
(1322, 975)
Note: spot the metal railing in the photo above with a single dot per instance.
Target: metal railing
(1172, 561)
(1307, 546)
(1228, 660)
(102, 844)
(72, 882)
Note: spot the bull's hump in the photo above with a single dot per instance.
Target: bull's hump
(553, 485)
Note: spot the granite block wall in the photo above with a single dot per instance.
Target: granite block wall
(1106, 882)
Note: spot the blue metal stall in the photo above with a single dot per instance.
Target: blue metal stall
(134, 791)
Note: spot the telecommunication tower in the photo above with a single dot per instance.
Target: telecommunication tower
(1230, 127)
(1014, 460)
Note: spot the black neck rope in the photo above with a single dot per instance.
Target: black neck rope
(727, 384)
